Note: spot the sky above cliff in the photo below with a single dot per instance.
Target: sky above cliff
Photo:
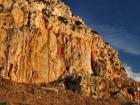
(118, 22)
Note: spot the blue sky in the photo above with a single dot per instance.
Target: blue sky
(118, 22)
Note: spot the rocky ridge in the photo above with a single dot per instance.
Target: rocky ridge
(42, 42)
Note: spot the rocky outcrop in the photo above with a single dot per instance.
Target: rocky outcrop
(41, 41)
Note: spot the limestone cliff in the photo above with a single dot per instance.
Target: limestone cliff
(41, 41)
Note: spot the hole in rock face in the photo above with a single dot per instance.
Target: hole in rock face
(73, 83)
(1, 66)
(4, 24)
(78, 23)
(11, 66)
(1, 6)
(67, 68)
(115, 93)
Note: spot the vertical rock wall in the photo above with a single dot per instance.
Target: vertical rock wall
(40, 41)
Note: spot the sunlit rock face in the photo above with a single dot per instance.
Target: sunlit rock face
(40, 41)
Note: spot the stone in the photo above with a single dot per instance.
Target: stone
(42, 42)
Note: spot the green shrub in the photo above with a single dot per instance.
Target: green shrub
(73, 83)
(131, 90)
(77, 24)
(46, 12)
(133, 84)
(3, 103)
(112, 85)
(63, 19)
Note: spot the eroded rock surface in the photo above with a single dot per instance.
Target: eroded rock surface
(41, 41)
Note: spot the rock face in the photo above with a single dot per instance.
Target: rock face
(41, 41)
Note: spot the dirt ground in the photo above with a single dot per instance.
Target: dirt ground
(24, 94)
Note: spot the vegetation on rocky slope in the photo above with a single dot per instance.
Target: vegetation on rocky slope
(42, 42)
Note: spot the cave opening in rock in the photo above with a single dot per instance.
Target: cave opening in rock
(73, 83)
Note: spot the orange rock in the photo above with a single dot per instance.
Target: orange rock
(37, 48)
(41, 41)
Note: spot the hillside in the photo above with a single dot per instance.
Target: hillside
(22, 94)
(41, 43)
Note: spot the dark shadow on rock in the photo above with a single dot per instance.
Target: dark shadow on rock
(73, 83)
